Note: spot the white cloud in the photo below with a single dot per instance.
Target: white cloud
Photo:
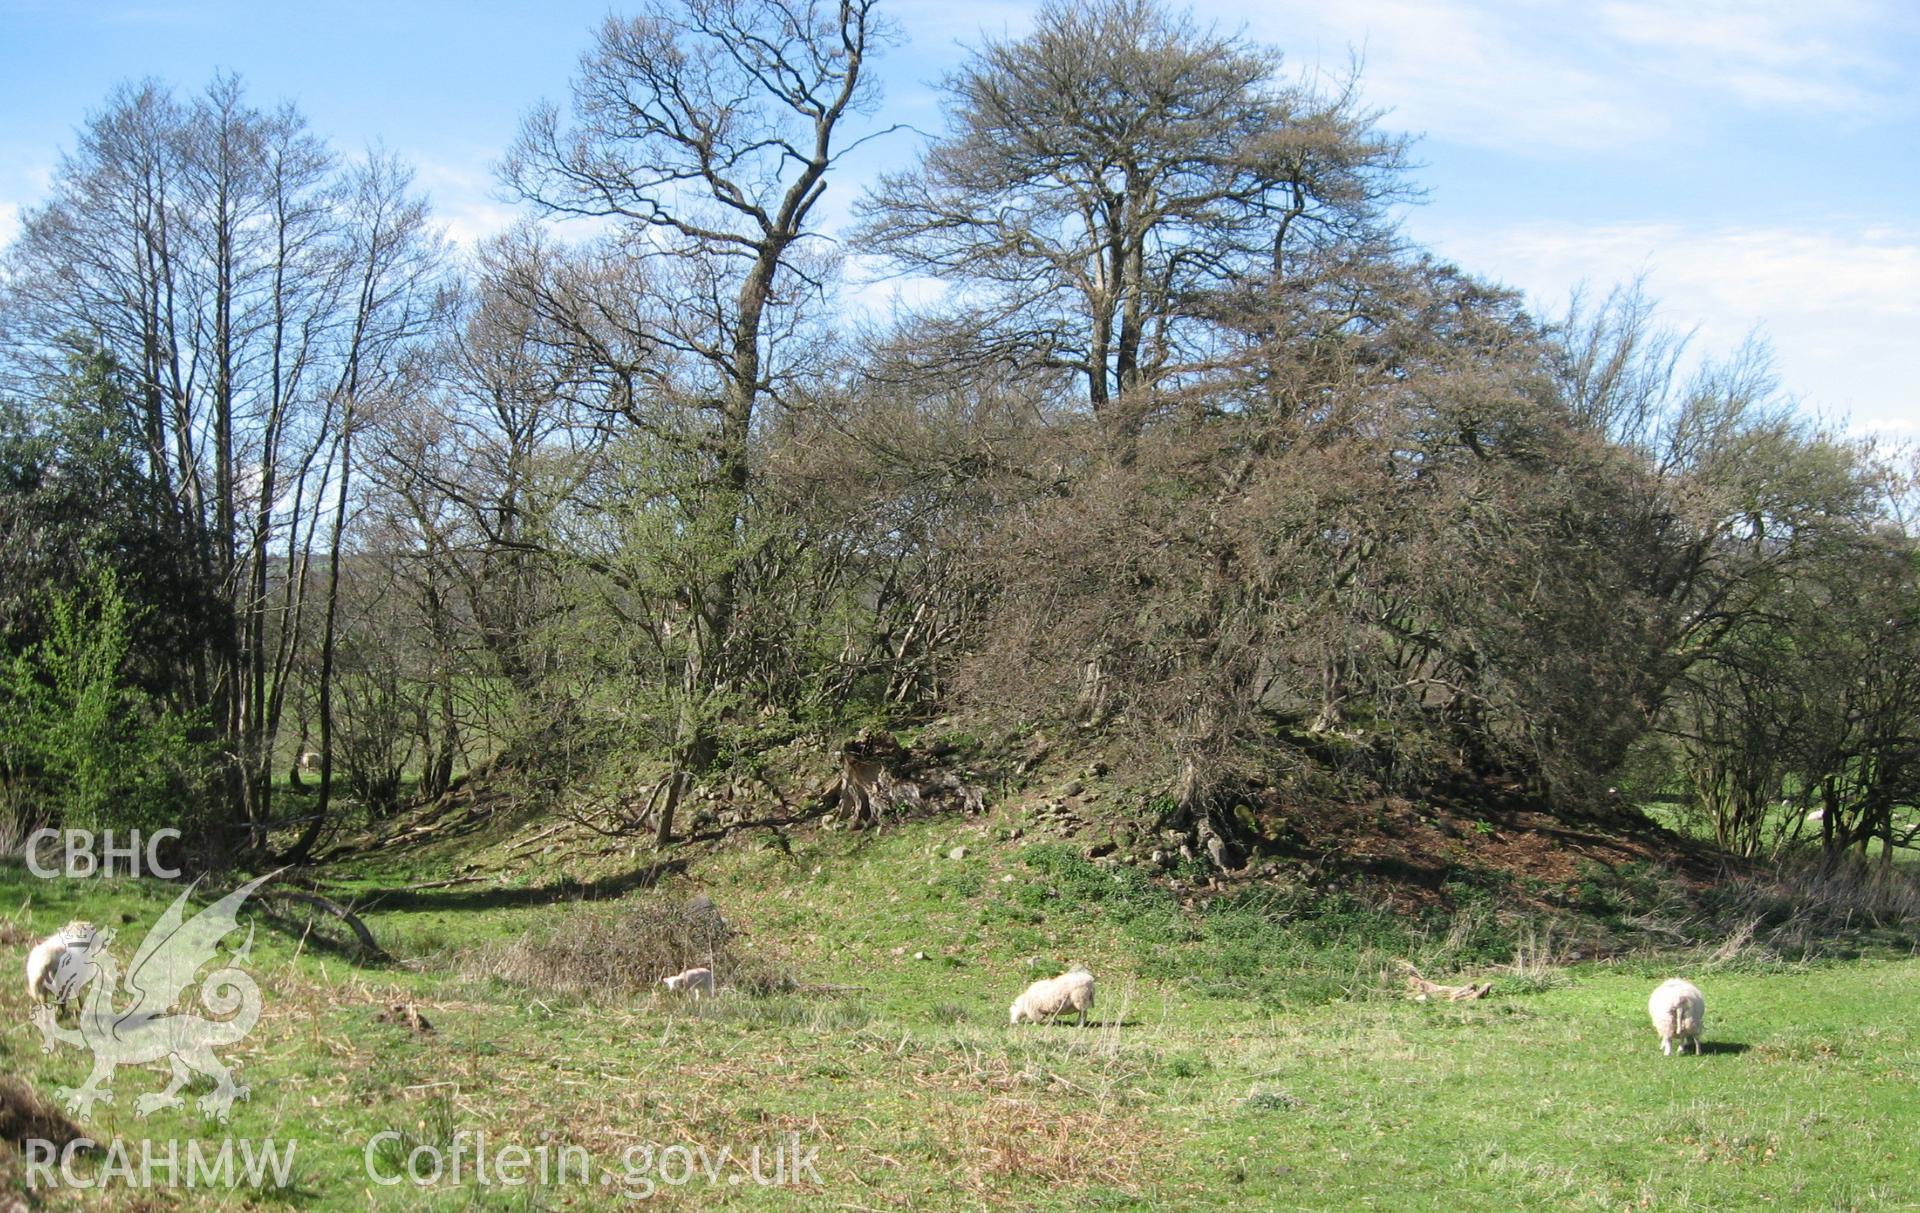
(872, 293)
(465, 200)
(1837, 303)
(1769, 52)
(470, 221)
(1574, 75)
(1469, 72)
(26, 177)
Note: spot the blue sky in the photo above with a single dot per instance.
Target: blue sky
(1757, 161)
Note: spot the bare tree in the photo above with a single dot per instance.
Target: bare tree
(251, 288)
(1108, 174)
(707, 131)
(396, 299)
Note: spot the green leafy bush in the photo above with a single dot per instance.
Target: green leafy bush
(80, 744)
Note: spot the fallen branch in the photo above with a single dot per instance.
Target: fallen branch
(335, 910)
(518, 847)
(818, 988)
(1421, 990)
(455, 882)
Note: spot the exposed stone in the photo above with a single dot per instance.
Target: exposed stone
(1222, 855)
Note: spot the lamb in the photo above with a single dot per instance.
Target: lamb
(1048, 997)
(48, 981)
(1679, 1013)
(696, 980)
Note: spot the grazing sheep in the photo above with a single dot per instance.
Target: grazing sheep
(1679, 1013)
(48, 981)
(1048, 997)
(696, 980)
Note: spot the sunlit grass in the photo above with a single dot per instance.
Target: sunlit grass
(1256, 1057)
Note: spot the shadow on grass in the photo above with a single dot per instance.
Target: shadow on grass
(1723, 1048)
(565, 889)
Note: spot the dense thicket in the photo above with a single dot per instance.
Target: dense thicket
(1191, 456)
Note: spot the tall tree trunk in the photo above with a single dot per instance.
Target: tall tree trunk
(311, 835)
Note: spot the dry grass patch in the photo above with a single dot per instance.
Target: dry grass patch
(1039, 1141)
(628, 950)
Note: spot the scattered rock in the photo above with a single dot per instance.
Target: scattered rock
(919, 955)
(1073, 787)
(706, 918)
(957, 853)
(1223, 856)
(1100, 850)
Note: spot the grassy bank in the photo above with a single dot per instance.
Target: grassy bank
(1252, 1054)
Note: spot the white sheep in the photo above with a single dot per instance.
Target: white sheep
(1048, 997)
(48, 981)
(696, 980)
(1679, 1013)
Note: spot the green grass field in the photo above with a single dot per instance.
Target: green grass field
(1257, 1055)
